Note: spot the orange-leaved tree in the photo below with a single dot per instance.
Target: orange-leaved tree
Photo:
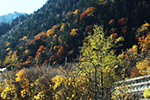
(41, 36)
(89, 11)
(144, 42)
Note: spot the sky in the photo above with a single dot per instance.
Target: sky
(21, 6)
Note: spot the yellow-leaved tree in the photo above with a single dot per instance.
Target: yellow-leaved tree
(99, 61)
(144, 64)
(146, 93)
(11, 59)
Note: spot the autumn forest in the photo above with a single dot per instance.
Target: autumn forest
(76, 50)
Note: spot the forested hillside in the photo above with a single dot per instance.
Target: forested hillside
(55, 31)
(41, 20)
(110, 36)
(5, 27)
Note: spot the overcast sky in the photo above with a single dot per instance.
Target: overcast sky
(24, 6)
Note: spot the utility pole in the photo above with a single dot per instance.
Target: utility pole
(66, 61)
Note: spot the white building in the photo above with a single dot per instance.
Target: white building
(3, 71)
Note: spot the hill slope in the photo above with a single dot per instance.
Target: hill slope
(41, 20)
(5, 27)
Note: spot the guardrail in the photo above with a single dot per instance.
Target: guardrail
(136, 85)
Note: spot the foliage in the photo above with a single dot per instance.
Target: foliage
(24, 38)
(143, 67)
(142, 31)
(62, 26)
(144, 43)
(52, 21)
(8, 43)
(73, 32)
(61, 52)
(76, 11)
(7, 49)
(51, 34)
(19, 75)
(25, 86)
(121, 92)
(29, 60)
(122, 21)
(4, 27)
(98, 54)
(40, 54)
(89, 11)
(146, 93)
(47, 83)
(144, 63)
(130, 57)
(11, 59)
(134, 72)
(41, 36)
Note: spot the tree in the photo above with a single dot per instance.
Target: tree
(143, 30)
(143, 66)
(98, 56)
(144, 43)
(129, 60)
(11, 59)
(144, 61)
(146, 93)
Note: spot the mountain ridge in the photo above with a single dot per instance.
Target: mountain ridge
(7, 18)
